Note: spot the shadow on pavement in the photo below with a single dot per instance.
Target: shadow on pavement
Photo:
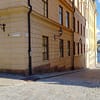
(87, 78)
(11, 76)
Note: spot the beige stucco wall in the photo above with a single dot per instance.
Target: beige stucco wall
(13, 42)
(42, 28)
(5, 4)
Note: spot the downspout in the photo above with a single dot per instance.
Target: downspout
(29, 39)
(73, 38)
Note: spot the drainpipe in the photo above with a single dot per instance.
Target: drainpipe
(73, 38)
(29, 39)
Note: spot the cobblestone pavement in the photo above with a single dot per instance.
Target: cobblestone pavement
(84, 85)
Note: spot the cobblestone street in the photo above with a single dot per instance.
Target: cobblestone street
(83, 85)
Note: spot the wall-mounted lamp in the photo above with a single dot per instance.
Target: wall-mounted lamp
(3, 27)
(60, 32)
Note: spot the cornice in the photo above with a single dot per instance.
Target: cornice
(67, 5)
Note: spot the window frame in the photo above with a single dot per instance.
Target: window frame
(45, 45)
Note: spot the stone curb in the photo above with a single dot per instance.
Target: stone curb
(50, 75)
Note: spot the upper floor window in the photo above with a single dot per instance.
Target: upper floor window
(45, 7)
(67, 19)
(45, 48)
(74, 24)
(61, 47)
(60, 15)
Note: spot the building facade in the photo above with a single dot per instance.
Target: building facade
(41, 36)
(90, 16)
(79, 34)
(87, 20)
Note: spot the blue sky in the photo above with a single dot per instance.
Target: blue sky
(98, 18)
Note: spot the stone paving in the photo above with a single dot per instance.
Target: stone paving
(84, 85)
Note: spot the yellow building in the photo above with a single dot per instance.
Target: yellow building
(41, 36)
(90, 15)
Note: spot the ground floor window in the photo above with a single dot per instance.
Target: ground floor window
(84, 48)
(74, 48)
(78, 48)
(45, 48)
(81, 48)
(68, 48)
(61, 47)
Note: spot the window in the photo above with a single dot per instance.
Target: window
(60, 15)
(74, 24)
(67, 19)
(81, 29)
(84, 30)
(45, 8)
(78, 26)
(45, 48)
(78, 48)
(68, 47)
(81, 48)
(84, 48)
(74, 48)
(61, 47)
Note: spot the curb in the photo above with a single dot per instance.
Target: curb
(45, 76)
